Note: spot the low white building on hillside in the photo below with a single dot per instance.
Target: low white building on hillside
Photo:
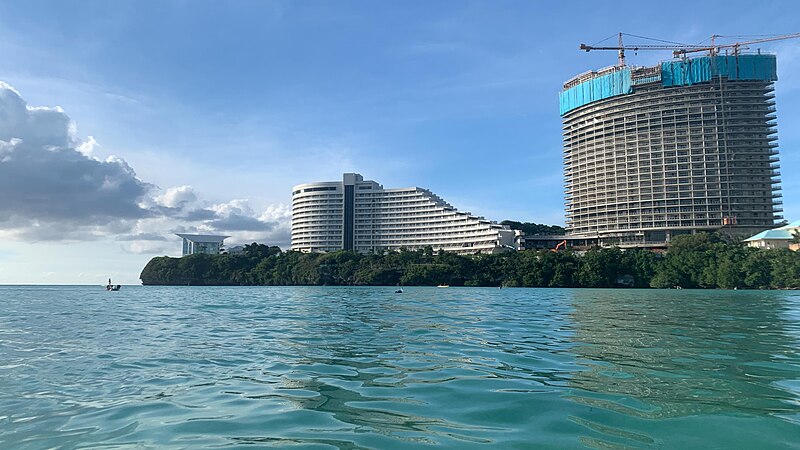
(782, 237)
(201, 243)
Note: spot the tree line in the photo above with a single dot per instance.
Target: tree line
(532, 229)
(692, 261)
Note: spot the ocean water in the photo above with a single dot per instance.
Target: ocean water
(353, 368)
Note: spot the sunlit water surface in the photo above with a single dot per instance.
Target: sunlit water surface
(321, 367)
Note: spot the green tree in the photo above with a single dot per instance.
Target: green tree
(534, 228)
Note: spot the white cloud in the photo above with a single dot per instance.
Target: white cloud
(279, 212)
(53, 189)
(150, 248)
(46, 182)
(176, 197)
(88, 146)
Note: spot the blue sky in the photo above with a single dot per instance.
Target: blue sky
(220, 107)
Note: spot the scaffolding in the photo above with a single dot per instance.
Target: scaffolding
(673, 154)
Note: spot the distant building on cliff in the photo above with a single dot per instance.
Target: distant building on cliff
(201, 243)
(684, 146)
(360, 215)
(235, 250)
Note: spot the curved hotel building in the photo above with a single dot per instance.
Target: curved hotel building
(687, 145)
(357, 214)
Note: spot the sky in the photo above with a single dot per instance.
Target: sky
(124, 122)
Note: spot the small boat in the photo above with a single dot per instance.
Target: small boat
(112, 287)
(399, 291)
(443, 286)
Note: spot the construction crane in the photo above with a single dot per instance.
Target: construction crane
(681, 50)
(714, 49)
(620, 48)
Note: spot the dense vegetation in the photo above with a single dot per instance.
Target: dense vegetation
(531, 228)
(698, 261)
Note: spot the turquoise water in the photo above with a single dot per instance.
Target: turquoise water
(309, 367)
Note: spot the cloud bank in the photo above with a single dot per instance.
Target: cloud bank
(53, 189)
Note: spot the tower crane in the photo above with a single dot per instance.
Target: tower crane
(680, 50)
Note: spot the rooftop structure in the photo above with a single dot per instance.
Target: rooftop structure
(781, 237)
(201, 243)
(357, 214)
(683, 146)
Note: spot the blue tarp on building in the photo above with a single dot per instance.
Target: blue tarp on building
(673, 73)
(751, 67)
(699, 70)
(604, 86)
(686, 72)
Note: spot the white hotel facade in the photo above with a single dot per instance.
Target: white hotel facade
(360, 215)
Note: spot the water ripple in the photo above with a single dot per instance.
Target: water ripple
(357, 368)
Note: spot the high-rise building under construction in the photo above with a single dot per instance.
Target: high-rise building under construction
(684, 146)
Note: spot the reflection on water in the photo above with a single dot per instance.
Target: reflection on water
(687, 354)
(365, 368)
